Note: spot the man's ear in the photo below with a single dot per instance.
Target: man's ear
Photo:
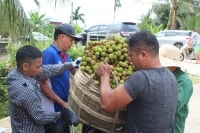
(143, 54)
(25, 66)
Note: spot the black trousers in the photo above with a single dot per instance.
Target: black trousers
(60, 127)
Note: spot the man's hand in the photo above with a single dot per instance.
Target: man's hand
(77, 62)
(103, 69)
(65, 105)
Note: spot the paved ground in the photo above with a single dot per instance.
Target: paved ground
(193, 120)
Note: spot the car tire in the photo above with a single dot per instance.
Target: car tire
(181, 57)
(178, 45)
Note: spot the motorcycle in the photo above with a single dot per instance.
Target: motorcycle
(70, 117)
(189, 56)
(187, 51)
(70, 120)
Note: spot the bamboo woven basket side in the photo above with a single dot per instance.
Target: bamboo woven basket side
(85, 101)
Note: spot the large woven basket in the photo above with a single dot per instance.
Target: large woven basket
(85, 101)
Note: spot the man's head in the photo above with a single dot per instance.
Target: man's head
(29, 60)
(143, 48)
(64, 36)
(169, 56)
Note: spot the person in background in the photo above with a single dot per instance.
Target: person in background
(188, 45)
(56, 89)
(26, 113)
(150, 94)
(169, 57)
(196, 37)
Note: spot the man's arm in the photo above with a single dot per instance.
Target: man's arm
(113, 99)
(30, 102)
(184, 92)
(49, 71)
(47, 90)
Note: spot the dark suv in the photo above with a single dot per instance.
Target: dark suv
(99, 32)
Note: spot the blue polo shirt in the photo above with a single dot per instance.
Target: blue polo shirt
(60, 83)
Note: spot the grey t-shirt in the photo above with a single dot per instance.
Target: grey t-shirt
(155, 94)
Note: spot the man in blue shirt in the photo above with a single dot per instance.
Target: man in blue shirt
(57, 89)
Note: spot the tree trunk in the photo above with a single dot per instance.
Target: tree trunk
(174, 22)
(169, 24)
(172, 16)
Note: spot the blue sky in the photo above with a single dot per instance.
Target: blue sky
(96, 11)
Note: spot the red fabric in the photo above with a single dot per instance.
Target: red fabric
(63, 56)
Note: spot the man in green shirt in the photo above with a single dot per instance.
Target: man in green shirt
(169, 57)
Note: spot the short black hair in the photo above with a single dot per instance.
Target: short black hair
(57, 33)
(27, 53)
(144, 40)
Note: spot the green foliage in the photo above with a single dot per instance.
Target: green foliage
(78, 29)
(153, 28)
(3, 69)
(186, 9)
(3, 90)
(43, 45)
(40, 23)
(161, 11)
(13, 19)
(11, 50)
(76, 51)
(4, 109)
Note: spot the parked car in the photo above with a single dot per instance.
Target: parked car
(98, 32)
(39, 37)
(173, 37)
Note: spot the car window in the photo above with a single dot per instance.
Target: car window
(103, 27)
(160, 34)
(93, 29)
(186, 33)
(172, 34)
(114, 27)
(129, 27)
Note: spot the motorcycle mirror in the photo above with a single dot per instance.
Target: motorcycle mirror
(69, 116)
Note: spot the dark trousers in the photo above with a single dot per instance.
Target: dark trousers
(88, 129)
(60, 127)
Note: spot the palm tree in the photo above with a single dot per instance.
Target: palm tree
(172, 23)
(13, 18)
(37, 21)
(116, 5)
(78, 16)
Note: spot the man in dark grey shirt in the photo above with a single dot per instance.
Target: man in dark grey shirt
(150, 93)
(24, 91)
(153, 109)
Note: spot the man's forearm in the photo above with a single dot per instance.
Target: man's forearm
(104, 89)
(49, 71)
(47, 90)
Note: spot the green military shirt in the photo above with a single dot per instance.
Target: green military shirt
(184, 94)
